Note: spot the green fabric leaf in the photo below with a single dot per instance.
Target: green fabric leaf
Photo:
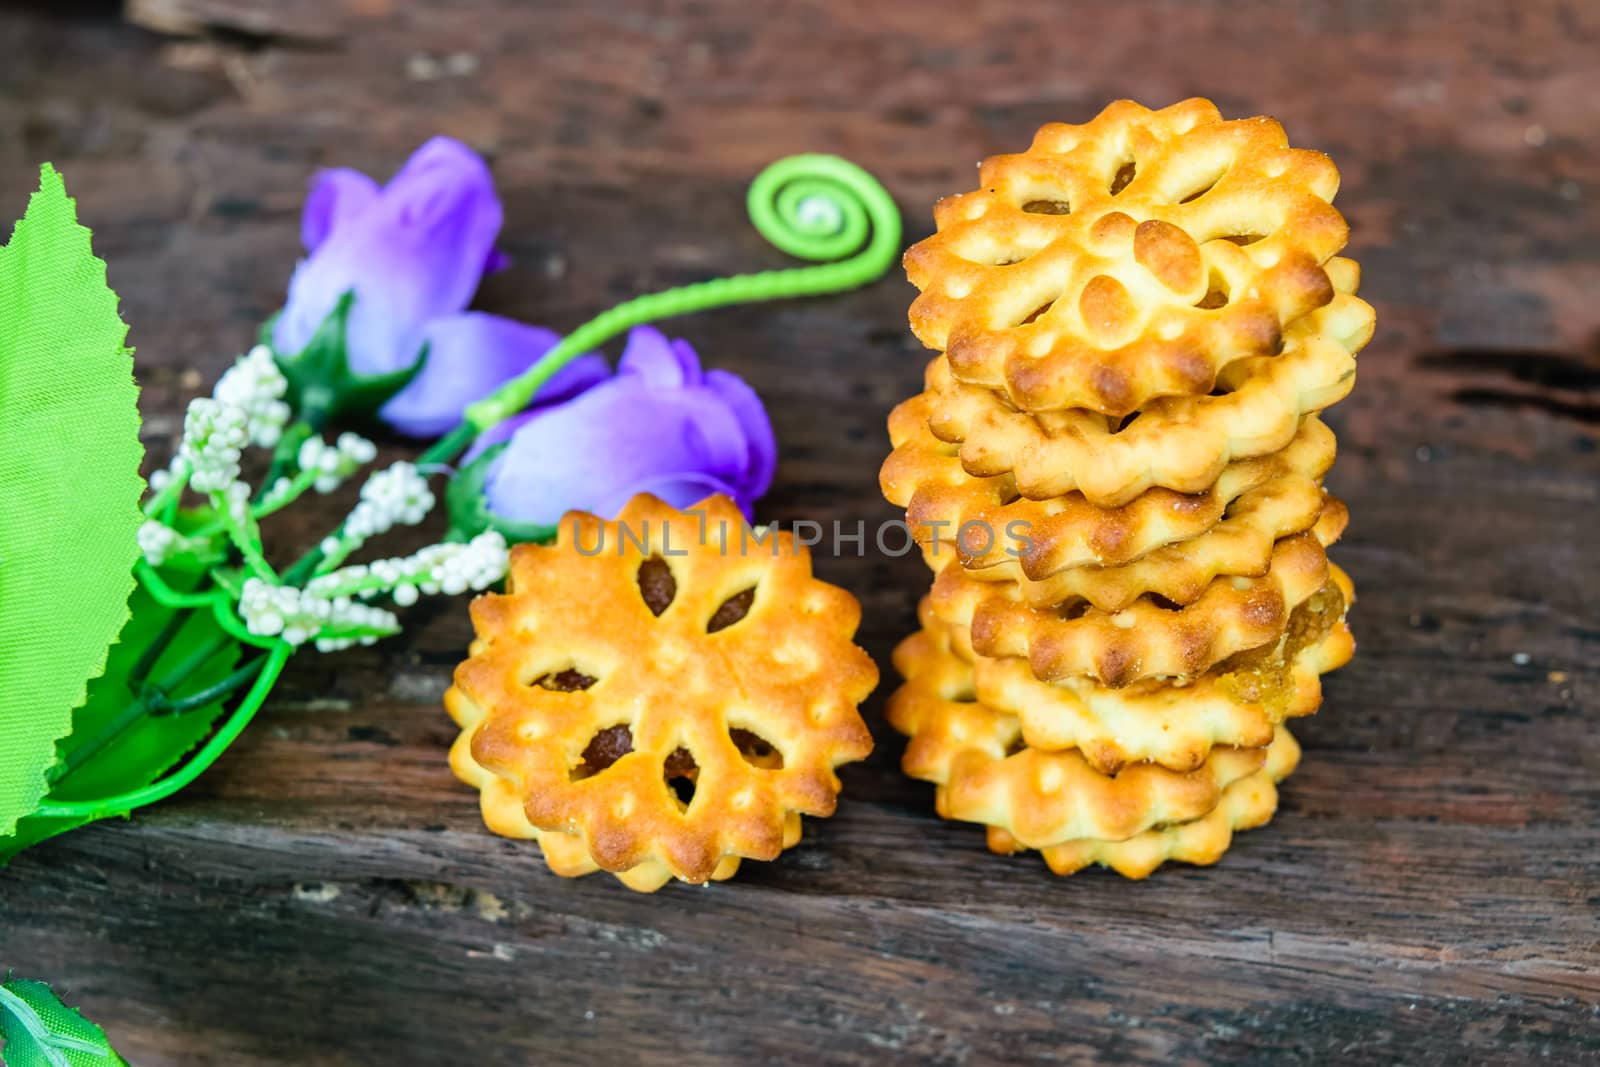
(37, 1030)
(153, 744)
(69, 479)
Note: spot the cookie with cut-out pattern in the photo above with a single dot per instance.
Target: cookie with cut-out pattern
(1182, 443)
(670, 689)
(565, 853)
(1237, 702)
(1240, 545)
(999, 535)
(987, 774)
(1246, 804)
(1132, 257)
(1150, 638)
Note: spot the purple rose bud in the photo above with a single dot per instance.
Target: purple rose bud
(413, 251)
(472, 354)
(661, 426)
(337, 196)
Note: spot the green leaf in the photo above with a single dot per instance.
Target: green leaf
(469, 511)
(39, 1031)
(69, 479)
(154, 743)
(321, 385)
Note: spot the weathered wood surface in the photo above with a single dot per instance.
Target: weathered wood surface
(1429, 890)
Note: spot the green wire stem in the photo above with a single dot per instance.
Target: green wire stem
(815, 207)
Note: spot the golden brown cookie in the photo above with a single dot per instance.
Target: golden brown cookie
(985, 774)
(564, 853)
(997, 536)
(1246, 804)
(1241, 544)
(1237, 702)
(1181, 443)
(1150, 638)
(1132, 257)
(667, 690)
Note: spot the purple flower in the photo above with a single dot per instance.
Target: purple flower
(413, 252)
(469, 356)
(662, 425)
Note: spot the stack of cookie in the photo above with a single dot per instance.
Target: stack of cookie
(1115, 470)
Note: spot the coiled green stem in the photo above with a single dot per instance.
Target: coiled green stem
(816, 207)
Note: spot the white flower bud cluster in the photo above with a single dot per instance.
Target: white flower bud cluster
(299, 615)
(214, 434)
(159, 542)
(156, 540)
(398, 495)
(256, 385)
(446, 568)
(336, 462)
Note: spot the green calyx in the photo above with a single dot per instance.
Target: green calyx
(469, 508)
(321, 385)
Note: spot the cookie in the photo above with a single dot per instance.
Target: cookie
(1240, 545)
(1132, 257)
(1150, 638)
(987, 774)
(1182, 443)
(997, 536)
(991, 527)
(670, 691)
(1246, 804)
(1237, 702)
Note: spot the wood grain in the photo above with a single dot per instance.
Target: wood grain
(1429, 890)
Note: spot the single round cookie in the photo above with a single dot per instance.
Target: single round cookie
(1150, 638)
(1132, 257)
(998, 535)
(669, 692)
(1247, 804)
(1182, 443)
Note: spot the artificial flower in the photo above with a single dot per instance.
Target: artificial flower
(472, 354)
(412, 254)
(661, 425)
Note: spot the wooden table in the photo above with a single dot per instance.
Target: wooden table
(327, 894)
